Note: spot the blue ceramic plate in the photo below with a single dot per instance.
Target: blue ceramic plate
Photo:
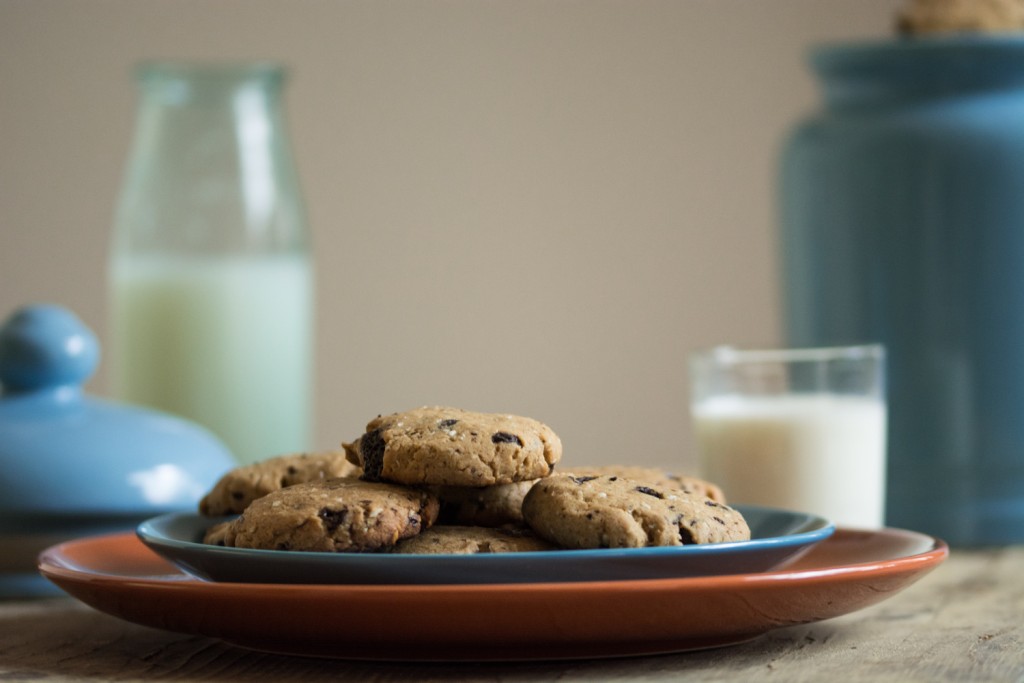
(777, 536)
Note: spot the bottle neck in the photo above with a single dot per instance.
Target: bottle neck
(915, 70)
(210, 171)
(183, 106)
(185, 84)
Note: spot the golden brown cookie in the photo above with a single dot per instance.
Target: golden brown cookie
(333, 515)
(219, 534)
(500, 504)
(467, 540)
(454, 447)
(615, 512)
(489, 506)
(653, 474)
(918, 17)
(242, 485)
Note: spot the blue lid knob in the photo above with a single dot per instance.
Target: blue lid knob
(45, 346)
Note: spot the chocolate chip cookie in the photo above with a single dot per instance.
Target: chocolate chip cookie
(616, 512)
(654, 475)
(333, 515)
(503, 503)
(219, 534)
(489, 506)
(918, 17)
(241, 486)
(454, 447)
(468, 540)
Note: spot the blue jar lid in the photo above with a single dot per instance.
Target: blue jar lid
(66, 456)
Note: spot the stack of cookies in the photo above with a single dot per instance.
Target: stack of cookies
(446, 480)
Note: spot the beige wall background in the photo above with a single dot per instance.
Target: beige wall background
(538, 207)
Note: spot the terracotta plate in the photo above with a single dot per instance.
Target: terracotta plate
(851, 570)
(777, 536)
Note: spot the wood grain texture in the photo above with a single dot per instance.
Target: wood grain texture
(962, 622)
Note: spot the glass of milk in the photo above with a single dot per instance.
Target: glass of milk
(799, 429)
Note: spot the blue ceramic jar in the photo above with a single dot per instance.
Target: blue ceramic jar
(902, 219)
(73, 465)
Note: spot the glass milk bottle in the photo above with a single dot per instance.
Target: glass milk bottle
(211, 286)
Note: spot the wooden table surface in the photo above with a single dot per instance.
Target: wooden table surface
(962, 622)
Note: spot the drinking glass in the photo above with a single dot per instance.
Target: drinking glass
(799, 429)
